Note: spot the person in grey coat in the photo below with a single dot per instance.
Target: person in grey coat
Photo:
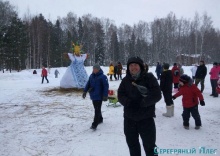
(56, 72)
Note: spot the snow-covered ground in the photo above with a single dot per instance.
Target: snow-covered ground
(37, 121)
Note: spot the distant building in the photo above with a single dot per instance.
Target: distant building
(189, 59)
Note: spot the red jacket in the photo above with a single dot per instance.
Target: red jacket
(214, 73)
(190, 95)
(175, 77)
(44, 72)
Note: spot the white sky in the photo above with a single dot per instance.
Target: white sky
(121, 11)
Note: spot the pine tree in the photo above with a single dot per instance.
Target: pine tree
(114, 47)
(16, 45)
(99, 47)
(55, 44)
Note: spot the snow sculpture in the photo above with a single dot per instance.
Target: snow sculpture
(75, 75)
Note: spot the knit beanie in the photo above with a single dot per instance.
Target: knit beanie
(184, 78)
(97, 66)
(215, 63)
(166, 66)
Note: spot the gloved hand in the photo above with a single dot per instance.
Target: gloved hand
(173, 97)
(202, 103)
(84, 95)
(104, 98)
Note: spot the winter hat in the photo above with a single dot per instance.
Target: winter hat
(97, 66)
(215, 63)
(175, 64)
(166, 66)
(137, 60)
(202, 61)
(184, 78)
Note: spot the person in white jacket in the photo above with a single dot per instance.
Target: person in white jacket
(193, 70)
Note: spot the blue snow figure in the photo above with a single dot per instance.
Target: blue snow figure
(76, 75)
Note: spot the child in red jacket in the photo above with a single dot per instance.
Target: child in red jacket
(190, 101)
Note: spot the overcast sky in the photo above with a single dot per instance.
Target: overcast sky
(121, 11)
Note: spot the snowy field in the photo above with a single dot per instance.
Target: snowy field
(37, 121)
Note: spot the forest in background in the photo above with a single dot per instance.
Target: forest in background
(33, 41)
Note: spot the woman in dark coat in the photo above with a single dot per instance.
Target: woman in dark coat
(119, 71)
(166, 83)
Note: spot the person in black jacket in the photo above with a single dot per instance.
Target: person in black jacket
(166, 82)
(201, 73)
(139, 107)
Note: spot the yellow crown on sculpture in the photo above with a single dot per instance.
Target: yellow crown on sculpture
(76, 49)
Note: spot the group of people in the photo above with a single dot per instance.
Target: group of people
(176, 67)
(139, 103)
(200, 72)
(45, 72)
(115, 71)
(192, 96)
(138, 92)
(172, 77)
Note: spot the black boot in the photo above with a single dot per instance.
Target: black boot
(93, 127)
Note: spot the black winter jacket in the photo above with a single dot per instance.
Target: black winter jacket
(201, 72)
(166, 81)
(137, 107)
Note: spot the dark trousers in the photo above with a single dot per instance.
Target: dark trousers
(176, 85)
(168, 97)
(119, 76)
(201, 81)
(158, 76)
(98, 114)
(111, 77)
(214, 85)
(195, 114)
(45, 78)
(146, 129)
(114, 77)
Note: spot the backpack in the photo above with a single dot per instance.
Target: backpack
(176, 72)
